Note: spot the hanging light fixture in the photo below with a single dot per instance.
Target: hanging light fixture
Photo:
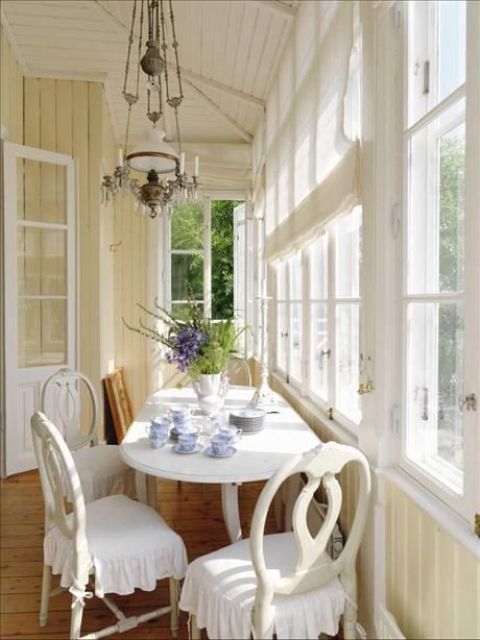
(153, 156)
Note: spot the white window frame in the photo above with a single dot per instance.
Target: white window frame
(467, 503)
(303, 385)
(333, 302)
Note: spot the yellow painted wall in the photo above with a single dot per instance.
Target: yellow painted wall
(433, 582)
(11, 96)
(72, 117)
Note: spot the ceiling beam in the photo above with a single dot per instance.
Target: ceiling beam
(219, 112)
(276, 6)
(197, 77)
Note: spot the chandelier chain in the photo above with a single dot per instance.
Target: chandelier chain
(129, 50)
(175, 48)
(164, 49)
(158, 194)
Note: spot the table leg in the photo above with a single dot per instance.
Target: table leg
(141, 487)
(152, 491)
(231, 514)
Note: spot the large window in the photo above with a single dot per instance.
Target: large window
(319, 324)
(437, 313)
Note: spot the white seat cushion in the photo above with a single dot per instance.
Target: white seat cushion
(220, 588)
(130, 545)
(103, 473)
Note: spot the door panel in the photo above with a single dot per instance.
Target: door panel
(40, 290)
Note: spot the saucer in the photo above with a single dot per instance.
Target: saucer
(177, 449)
(228, 453)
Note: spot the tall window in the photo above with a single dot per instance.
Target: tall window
(436, 310)
(187, 266)
(201, 265)
(334, 309)
(289, 301)
(321, 327)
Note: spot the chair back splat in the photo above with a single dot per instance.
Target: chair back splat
(313, 569)
(61, 400)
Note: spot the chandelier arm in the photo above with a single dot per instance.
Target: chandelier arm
(175, 48)
(129, 49)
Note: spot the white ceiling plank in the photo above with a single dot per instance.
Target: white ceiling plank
(240, 130)
(278, 7)
(193, 75)
(227, 51)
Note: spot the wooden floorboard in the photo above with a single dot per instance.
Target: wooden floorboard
(190, 509)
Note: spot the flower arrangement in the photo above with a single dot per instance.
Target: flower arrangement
(195, 344)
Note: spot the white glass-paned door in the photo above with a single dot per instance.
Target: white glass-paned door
(39, 287)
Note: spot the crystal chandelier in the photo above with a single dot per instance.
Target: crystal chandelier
(153, 156)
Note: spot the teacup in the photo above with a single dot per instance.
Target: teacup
(188, 441)
(180, 412)
(229, 434)
(157, 435)
(219, 446)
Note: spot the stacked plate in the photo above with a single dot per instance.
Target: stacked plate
(248, 420)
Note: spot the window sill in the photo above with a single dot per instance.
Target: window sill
(443, 515)
(339, 431)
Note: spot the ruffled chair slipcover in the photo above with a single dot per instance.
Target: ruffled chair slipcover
(130, 546)
(220, 589)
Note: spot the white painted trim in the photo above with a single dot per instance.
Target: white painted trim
(207, 257)
(12, 42)
(277, 7)
(338, 430)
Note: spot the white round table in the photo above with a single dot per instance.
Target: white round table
(258, 455)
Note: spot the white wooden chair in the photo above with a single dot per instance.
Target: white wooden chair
(124, 543)
(102, 472)
(284, 583)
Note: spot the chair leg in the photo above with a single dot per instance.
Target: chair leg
(76, 619)
(196, 633)
(174, 605)
(349, 583)
(46, 584)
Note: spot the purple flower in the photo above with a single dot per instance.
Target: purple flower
(185, 346)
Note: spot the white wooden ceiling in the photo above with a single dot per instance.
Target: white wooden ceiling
(228, 49)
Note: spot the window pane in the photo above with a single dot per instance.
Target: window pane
(296, 277)
(41, 261)
(319, 268)
(435, 234)
(222, 258)
(41, 191)
(181, 311)
(282, 332)
(187, 277)
(436, 61)
(295, 336)
(319, 357)
(451, 46)
(347, 360)
(187, 226)
(281, 284)
(434, 385)
(347, 255)
(42, 332)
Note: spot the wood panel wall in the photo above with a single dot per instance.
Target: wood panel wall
(72, 117)
(11, 97)
(433, 582)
